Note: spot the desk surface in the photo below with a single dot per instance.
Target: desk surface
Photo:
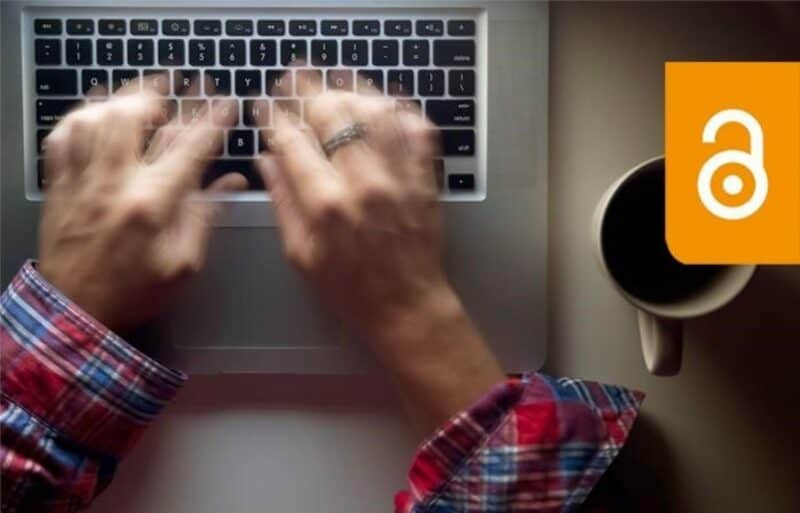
(720, 437)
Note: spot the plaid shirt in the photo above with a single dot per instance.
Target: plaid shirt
(76, 398)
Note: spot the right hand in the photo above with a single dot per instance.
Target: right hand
(364, 227)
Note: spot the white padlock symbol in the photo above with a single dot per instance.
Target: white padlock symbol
(732, 184)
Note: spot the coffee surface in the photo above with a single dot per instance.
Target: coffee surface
(635, 247)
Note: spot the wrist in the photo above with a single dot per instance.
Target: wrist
(437, 358)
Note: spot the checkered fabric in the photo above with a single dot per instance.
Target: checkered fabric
(76, 398)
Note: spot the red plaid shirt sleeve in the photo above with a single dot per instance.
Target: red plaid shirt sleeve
(75, 399)
(532, 445)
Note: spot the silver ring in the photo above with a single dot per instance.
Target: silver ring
(354, 132)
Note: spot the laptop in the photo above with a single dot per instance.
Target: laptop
(478, 69)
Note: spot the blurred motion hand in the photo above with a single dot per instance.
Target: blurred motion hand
(364, 226)
(119, 232)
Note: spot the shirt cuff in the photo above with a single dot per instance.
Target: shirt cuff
(538, 442)
(73, 373)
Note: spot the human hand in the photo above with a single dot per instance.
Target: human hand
(364, 227)
(119, 233)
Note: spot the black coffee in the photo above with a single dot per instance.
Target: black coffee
(635, 247)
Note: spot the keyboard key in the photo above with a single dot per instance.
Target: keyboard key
(458, 142)
(335, 28)
(40, 137)
(263, 52)
(171, 52)
(186, 82)
(279, 83)
(293, 50)
(144, 27)
(416, 52)
(221, 167)
(241, 143)
(226, 113)
(248, 82)
(175, 27)
(385, 52)
(325, 52)
(370, 78)
(80, 27)
(303, 28)
(398, 28)
(50, 112)
(431, 82)
(289, 106)
(257, 113)
(141, 52)
(461, 182)
(430, 28)
(340, 80)
(309, 82)
(232, 52)
(462, 82)
(265, 141)
(271, 27)
(454, 52)
(354, 52)
(123, 77)
(207, 27)
(57, 82)
(48, 52)
(461, 27)
(366, 28)
(401, 82)
(94, 82)
(451, 113)
(111, 27)
(239, 27)
(47, 27)
(158, 79)
(202, 52)
(109, 52)
(192, 110)
(79, 52)
(218, 82)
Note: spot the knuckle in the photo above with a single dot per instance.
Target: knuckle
(330, 209)
(141, 209)
(375, 195)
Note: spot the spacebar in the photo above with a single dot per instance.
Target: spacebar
(247, 167)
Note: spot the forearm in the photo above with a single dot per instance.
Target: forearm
(75, 399)
(438, 360)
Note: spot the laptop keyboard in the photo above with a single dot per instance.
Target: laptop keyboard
(424, 61)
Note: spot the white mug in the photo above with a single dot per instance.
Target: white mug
(660, 318)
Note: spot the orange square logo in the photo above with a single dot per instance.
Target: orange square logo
(733, 162)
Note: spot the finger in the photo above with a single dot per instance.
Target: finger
(180, 168)
(290, 218)
(309, 83)
(365, 86)
(121, 126)
(163, 138)
(329, 115)
(307, 174)
(282, 86)
(196, 221)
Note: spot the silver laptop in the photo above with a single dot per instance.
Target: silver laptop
(479, 69)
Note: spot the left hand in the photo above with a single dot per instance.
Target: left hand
(119, 233)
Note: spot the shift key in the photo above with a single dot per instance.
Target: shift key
(458, 142)
(50, 112)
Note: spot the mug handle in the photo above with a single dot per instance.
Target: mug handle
(662, 343)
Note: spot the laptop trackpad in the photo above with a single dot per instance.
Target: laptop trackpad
(248, 296)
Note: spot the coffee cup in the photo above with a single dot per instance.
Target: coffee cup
(631, 248)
